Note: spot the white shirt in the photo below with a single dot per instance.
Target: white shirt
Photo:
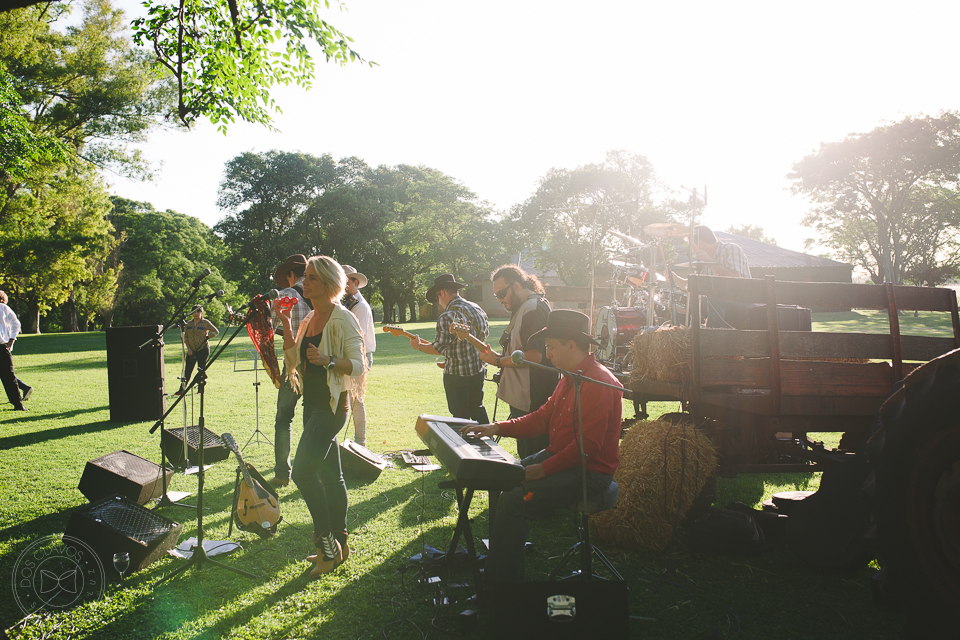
(9, 324)
(364, 315)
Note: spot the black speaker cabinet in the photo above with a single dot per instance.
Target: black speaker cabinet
(790, 318)
(122, 473)
(359, 462)
(134, 375)
(214, 449)
(573, 609)
(115, 524)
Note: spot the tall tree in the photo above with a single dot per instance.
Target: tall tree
(565, 222)
(886, 200)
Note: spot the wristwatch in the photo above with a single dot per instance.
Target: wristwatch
(330, 365)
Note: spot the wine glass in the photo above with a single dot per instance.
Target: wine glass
(121, 561)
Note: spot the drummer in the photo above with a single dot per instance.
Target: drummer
(727, 259)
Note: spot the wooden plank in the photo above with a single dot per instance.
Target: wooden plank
(894, 319)
(712, 402)
(801, 377)
(773, 339)
(827, 294)
(656, 389)
(811, 344)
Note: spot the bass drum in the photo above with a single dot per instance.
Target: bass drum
(616, 328)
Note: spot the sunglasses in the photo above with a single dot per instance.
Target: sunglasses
(503, 292)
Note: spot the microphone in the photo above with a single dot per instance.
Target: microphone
(517, 357)
(216, 294)
(273, 294)
(196, 283)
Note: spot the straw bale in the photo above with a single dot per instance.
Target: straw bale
(662, 354)
(662, 469)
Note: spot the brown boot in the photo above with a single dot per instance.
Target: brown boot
(329, 555)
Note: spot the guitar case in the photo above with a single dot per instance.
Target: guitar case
(269, 488)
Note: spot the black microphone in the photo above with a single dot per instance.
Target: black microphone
(517, 358)
(216, 294)
(273, 294)
(196, 283)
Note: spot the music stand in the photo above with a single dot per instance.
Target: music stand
(256, 386)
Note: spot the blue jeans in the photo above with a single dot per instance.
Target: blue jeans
(465, 397)
(287, 400)
(316, 469)
(511, 526)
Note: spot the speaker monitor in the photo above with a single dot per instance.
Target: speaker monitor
(214, 449)
(115, 524)
(122, 473)
(359, 462)
(134, 375)
(561, 609)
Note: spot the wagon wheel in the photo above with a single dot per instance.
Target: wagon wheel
(918, 493)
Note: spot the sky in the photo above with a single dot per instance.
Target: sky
(723, 97)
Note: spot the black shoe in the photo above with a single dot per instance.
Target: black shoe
(20, 408)
(28, 393)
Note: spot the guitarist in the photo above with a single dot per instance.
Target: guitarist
(523, 388)
(289, 280)
(464, 372)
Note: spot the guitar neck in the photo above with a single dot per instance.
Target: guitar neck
(232, 445)
(462, 332)
(398, 331)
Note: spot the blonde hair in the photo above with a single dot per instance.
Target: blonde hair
(330, 273)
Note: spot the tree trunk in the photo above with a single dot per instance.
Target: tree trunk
(413, 309)
(33, 318)
(402, 309)
(70, 314)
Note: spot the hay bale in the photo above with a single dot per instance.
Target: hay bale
(663, 354)
(662, 469)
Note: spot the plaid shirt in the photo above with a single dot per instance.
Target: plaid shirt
(463, 359)
(298, 311)
(731, 256)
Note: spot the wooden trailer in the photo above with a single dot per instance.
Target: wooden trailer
(760, 392)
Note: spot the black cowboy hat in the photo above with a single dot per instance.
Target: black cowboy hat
(297, 260)
(443, 282)
(565, 324)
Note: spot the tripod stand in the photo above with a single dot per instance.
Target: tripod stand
(199, 555)
(257, 433)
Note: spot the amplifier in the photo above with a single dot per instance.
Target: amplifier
(214, 449)
(360, 462)
(122, 473)
(116, 524)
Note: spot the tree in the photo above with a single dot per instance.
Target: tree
(886, 200)
(750, 231)
(572, 211)
(161, 253)
(226, 55)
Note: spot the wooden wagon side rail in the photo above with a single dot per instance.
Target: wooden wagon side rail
(812, 344)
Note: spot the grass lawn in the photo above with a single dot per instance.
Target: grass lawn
(673, 594)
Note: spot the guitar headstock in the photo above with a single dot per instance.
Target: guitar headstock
(394, 330)
(461, 330)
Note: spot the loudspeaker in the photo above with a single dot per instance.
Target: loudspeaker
(360, 462)
(122, 473)
(115, 524)
(214, 449)
(134, 375)
(559, 610)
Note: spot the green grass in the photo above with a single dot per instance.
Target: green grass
(42, 456)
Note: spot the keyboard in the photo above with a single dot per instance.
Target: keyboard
(475, 463)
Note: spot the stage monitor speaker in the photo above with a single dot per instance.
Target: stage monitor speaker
(122, 473)
(359, 462)
(564, 609)
(214, 448)
(115, 524)
(134, 375)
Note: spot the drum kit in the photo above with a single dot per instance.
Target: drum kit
(649, 298)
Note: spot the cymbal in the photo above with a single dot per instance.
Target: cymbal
(666, 230)
(625, 237)
(623, 265)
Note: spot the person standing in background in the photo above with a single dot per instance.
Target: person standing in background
(9, 330)
(357, 304)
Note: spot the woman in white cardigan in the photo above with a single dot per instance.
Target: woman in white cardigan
(323, 358)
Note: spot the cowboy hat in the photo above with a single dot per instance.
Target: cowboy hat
(565, 324)
(297, 260)
(350, 271)
(443, 282)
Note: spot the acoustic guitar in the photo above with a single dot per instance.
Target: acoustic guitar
(257, 509)
(396, 332)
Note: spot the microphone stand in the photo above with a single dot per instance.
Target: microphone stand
(583, 545)
(199, 555)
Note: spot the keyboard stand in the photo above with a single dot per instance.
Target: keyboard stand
(464, 498)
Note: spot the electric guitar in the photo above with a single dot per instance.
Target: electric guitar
(257, 510)
(462, 332)
(396, 332)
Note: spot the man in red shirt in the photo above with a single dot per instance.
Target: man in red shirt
(553, 476)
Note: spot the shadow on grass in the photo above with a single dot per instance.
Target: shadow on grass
(27, 439)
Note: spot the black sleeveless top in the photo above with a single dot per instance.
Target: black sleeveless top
(316, 391)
